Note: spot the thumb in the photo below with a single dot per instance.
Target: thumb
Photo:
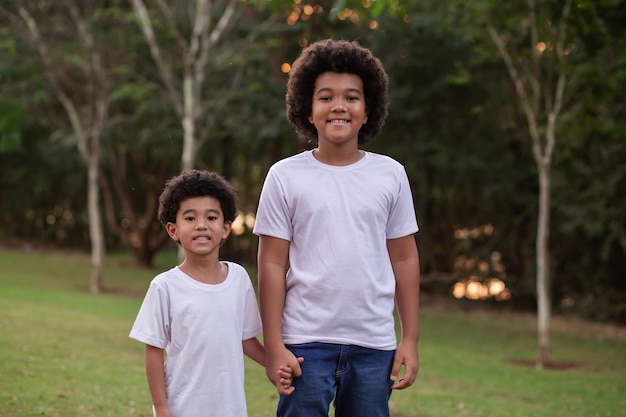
(297, 371)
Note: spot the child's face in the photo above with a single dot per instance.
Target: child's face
(338, 110)
(200, 226)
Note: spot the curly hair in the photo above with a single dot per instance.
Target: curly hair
(196, 183)
(337, 56)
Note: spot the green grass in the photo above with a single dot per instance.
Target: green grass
(66, 352)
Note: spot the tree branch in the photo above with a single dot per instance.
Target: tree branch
(164, 69)
(531, 116)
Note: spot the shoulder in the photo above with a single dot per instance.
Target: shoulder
(165, 277)
(380, 163)
(290, 162)
(239, 277)
(237, 271)
(383, 159)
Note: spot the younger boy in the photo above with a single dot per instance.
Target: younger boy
(203, 312)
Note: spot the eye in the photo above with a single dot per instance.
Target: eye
(189, 218)
(212, 218)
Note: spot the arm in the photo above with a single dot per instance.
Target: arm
(155, 371)
(253, 349)
(405, 262)
(273, 259)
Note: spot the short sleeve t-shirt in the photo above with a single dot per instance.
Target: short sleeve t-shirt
(340, 285)
(201, 326)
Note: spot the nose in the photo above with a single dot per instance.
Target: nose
(338, 105)
(201, 223)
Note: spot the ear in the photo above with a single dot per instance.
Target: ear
(311, 119)
(227, 228)
(171, 230)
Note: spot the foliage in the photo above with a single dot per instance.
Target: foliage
(453, 123)
(591, 184)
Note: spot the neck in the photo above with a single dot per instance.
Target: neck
(212, 272)
(338, 157)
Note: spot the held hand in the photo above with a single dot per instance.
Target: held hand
(283, 361)
(285, 375)
(407, 356)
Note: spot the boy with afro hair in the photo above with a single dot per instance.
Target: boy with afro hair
(337, 250)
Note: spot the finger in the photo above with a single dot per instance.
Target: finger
(395, 368)
(409, 377)
(401, 384)
(284, 389)
(297, 371)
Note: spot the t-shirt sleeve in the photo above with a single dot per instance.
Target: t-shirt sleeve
(152, 325)
(252, 320)
(402, 221)
(272, 217)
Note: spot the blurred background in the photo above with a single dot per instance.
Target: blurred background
(509, 118)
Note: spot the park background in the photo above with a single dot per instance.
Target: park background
(509, 118)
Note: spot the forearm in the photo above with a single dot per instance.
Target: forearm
(155, 372)
(272, 301)
(253, 349)
(272, 264)
(407, 298)
(405, 263)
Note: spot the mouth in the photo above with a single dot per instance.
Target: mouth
(202, 238)
(338, 121)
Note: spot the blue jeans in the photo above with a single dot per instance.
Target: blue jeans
(357, 378)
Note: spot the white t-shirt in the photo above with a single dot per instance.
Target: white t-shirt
(340, 285)
(201, 326)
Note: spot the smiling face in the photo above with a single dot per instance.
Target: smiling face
(338, 109)
(200, 227)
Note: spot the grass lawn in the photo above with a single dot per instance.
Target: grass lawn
(66, 352)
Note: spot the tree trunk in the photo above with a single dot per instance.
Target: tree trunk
(543, 267)
(96, 233)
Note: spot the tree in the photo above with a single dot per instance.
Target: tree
(195, 43)
(532, 43)
(79, 79)
(540, 86)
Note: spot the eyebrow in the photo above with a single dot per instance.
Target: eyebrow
(193, 210)
(349, 90)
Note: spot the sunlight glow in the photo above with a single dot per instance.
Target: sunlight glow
(480, 276)
(541, 47)
(238, 227)
(243, 222)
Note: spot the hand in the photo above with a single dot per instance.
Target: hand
(285, 373)
(280, 367)
(407, 356)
